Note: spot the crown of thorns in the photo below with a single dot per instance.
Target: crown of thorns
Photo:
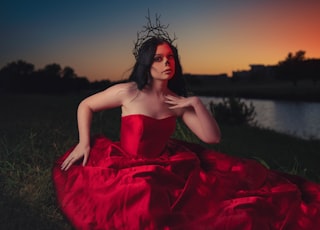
(152, 30)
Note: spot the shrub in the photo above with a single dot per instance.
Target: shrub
(233, 111)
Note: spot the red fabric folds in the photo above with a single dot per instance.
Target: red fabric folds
(149, 181)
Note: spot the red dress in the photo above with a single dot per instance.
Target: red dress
(150, 181)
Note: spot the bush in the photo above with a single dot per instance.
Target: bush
(233, 111)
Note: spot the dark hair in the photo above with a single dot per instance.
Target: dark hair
(141, 70)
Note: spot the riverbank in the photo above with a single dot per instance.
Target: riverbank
(274, 90)
(36, 129)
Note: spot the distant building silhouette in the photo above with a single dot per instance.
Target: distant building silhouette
(257, 72)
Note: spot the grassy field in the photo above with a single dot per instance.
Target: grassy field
(36, 129)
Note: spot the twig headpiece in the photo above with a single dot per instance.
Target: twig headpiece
(151, 30)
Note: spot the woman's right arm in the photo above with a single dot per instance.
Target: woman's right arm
(109, 98)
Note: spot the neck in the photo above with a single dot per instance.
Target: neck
(159, 87)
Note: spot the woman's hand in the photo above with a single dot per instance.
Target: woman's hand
(78, 152)
(196, 116)
(176, 102)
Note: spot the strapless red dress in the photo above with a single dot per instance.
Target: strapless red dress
(149, 181)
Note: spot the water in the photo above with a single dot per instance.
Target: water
(301, 119)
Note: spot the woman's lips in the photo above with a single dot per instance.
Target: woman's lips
(167, 71)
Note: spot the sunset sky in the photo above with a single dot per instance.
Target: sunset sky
(96, 38)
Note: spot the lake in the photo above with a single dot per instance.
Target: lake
(301, 119)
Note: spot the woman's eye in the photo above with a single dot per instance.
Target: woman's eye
(157, 59)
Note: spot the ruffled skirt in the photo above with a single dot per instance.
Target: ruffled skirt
(187, 187)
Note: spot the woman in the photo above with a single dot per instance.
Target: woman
(149, 181)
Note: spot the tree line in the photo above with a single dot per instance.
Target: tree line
(21, 76)
(297, 67)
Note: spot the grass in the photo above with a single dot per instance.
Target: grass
(36, 129)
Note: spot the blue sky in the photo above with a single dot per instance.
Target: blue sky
(96, 37)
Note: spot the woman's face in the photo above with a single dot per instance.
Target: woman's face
(163, 66)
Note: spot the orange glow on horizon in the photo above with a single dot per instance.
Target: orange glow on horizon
(218, 38)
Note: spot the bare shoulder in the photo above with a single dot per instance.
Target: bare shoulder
(122, 88)
(125, 91)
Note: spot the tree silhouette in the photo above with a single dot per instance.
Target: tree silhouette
(52, 71)
(299, 56)
(20, 76)
(313, 70)
(292, 68)
(14, 75)
(68, 73)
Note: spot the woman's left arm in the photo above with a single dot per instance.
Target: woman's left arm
(197, 117)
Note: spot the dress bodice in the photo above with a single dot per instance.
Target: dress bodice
(144, 136)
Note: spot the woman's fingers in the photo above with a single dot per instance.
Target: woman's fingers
(78, 152)
(85, 159)
(70, 160)
(172, 100)
(177, 102)
(67, 162)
